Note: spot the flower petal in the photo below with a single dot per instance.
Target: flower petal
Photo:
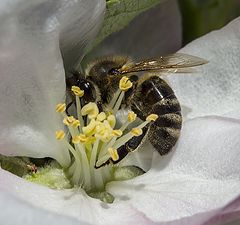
(201, 175)
(27, 214)
(71, 203)
(32, 74)
(215, 89)
(173, 189)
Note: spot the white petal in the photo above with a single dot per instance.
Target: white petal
(72, 203)
(27, 214)
(215, 89)
(201, 175)
(195, 180)
(32, 74)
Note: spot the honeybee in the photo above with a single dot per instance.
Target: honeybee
(149, 94)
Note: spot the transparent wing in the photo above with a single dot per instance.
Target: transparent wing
(170, 63)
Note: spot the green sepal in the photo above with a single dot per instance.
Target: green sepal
(104, 196)
(51, 176)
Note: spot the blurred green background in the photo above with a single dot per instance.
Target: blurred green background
(201, 16)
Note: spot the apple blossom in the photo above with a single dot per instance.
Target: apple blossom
(193, 185)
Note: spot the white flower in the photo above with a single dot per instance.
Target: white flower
(189, 186)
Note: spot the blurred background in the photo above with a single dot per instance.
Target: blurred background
(202, 16)
(167, 27)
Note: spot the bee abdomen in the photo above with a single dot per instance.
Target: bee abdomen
(163, 138)
(165, 131)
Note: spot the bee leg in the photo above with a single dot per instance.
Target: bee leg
(132, 145)
(100, 106)
(104, 164)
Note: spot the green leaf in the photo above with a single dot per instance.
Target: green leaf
(16, 165)
(119, 13)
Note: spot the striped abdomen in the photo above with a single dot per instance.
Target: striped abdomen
(154, 95)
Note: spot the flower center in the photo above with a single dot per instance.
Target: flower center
(93, 139)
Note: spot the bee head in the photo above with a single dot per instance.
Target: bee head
(89, 88)
(106, 66)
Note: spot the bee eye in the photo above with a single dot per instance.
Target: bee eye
(85, 86)
(113, 71)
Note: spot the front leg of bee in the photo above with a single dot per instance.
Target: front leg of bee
(154, 95)
(132, 145)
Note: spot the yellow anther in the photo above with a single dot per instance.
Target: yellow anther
(117, 133)
(71, 121)
(104, 131)
(77, 91)
(86, 139)
(83, 138)
(112, 120)
(132, 116)
(68, 120)
(125, 84)
(91, 110)
(76, 139)
(90, 128)
(113, 153)
(152, 117)
(90, 140)
(100, 129)
(76, 123)
(101, 116)
(61, 107)
(60, 134)
(136, 132)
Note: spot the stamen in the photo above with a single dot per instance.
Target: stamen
(112, 120)
(60, 134)
(76, 123)
(90, 128)
(68, 120)
(103, 131)
(125, 84)
(91, 110)
(101, 116)
(114, 154)
(136, 132)
(61, 107)
(132, 116)
(76, 139)
(96, 140)
(77, 91)
(152, 117)
(117, 133)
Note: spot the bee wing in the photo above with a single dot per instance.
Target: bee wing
(170, 63)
